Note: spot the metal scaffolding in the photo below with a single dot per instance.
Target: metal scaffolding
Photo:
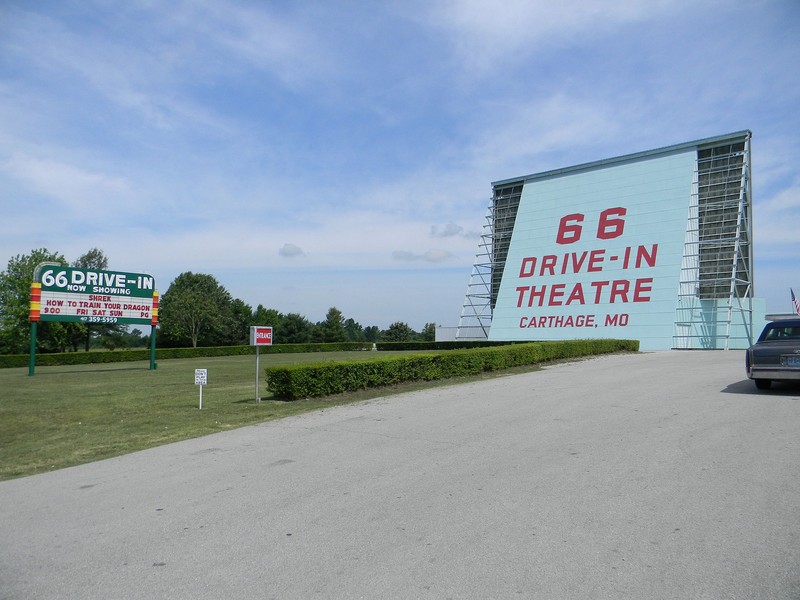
(476, 312)
(487, 270)
(716, 288)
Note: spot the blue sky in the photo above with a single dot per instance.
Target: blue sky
(340, 153)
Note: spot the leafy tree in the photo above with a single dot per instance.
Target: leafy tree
(94, 260)
(135, 339)
(194, 310)
(332, 328)
(271, 318)
(266, 316)
(112, 340)
(428, 333)
(398, 332)
(294, 329)
(240, 320)
(353, 332)
(15, 295)
(372, 334)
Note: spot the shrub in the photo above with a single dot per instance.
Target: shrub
(320, 379)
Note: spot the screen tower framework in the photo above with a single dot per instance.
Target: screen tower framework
(712, 303)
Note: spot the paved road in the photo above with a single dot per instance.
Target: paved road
(658, 475)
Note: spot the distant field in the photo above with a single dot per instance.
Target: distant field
(69, 415)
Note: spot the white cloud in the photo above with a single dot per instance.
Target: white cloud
(485, 34)
(349, 240)
(452, 229)
(777, 222)
(786, 200)
(449, 230)
(437, 255)
(77, 189)
(432, 256)
(527, 137)
(152, 71)
(283, 44)
(291, 251)
(204, 136)
(404, 255)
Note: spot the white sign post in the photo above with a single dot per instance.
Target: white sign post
(259, 336)
(201, 379)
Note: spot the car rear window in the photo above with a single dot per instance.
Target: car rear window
(783, 333)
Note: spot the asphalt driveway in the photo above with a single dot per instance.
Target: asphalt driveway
(655, 475)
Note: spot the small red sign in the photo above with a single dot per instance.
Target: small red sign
(260, 336)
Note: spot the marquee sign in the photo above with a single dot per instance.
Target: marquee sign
(92, 296)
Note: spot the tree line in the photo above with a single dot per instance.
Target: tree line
(196, 310)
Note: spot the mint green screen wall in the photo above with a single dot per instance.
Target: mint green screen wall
(597, 254)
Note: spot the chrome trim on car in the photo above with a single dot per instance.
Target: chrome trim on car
(774, 374)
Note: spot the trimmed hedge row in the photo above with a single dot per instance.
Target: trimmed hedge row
(449, 345)
(84, 358)
(73, 358)
(274, 349)
(322, 379)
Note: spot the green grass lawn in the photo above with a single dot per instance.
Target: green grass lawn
(69, 415)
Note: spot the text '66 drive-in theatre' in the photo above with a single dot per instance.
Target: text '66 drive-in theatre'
(654, 246)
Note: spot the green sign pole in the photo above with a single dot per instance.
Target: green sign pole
(153, 365)
(32, 365)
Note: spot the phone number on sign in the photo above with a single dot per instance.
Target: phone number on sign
(99, 319)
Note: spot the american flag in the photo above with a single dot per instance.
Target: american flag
(796, 302)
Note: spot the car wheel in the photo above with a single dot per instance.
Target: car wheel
(762, 384)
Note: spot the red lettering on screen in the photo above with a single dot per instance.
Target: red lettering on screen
(605, 291)
(610, 225)
(642, 286)
(589, 261)
(607, 228)
(585, 277)
(569, 231)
